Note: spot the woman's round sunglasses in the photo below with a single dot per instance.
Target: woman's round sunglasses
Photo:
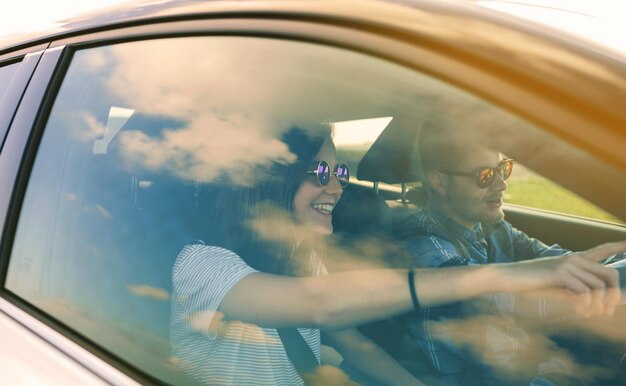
(323, 173)
(486, 176)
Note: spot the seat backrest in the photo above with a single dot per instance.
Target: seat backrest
(362, 212)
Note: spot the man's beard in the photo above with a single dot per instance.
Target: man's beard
(465, 210)
(489, 220)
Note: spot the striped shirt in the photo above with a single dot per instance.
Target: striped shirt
(216, 351)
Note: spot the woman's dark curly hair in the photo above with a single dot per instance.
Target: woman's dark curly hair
(235, 209)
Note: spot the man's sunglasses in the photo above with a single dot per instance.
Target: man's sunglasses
(486, 176)
(324, 173)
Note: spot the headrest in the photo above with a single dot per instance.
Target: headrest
(394, 156)
(362, 212)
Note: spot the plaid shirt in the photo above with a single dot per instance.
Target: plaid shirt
(435, 240)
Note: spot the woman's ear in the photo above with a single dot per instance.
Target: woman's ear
(439, 182)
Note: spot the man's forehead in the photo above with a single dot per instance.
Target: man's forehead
(479, 156)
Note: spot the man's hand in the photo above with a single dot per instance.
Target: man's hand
(577, 278)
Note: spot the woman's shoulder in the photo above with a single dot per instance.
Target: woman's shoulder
(199, 248)
(198, 254)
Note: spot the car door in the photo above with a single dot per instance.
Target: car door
(110, 158)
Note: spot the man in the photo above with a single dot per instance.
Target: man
(477, 343)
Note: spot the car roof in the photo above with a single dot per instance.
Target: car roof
(464, 24)
(575, 86)
(468, 32)
(597, 23)
(150, 11)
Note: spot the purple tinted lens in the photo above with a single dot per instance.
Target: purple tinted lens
(343, 175)
(323, 173)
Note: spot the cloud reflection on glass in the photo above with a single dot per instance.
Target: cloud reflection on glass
(107, 211)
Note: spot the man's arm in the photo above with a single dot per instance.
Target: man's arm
(559, 309)
(522, 246)
(515, 245)
(620, 266)
(591, 287)
(526, 247)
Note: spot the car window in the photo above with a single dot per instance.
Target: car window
(6, 74)
(530, 189)
(140, 136)
(526, 187)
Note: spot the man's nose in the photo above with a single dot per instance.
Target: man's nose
(499, 183)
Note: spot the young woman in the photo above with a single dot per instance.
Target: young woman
(260, 272)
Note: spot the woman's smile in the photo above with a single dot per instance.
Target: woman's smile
(325, 209)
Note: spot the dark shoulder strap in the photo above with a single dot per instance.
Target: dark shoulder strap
(298, 351)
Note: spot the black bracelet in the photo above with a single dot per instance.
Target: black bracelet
(416, 303)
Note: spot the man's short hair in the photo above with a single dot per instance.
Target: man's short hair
(443, 147)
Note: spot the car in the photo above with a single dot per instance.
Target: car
(116, 125)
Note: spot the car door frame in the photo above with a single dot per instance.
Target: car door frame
(404, 47)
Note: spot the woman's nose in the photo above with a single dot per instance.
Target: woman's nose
(334, 187)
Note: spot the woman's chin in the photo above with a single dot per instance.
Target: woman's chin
(324, 232)
(321, 229)
(312, 231)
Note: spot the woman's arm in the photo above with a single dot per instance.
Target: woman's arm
(351, 298)
(556, 309)
(366, 356)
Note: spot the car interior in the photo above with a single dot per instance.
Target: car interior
(385, 191)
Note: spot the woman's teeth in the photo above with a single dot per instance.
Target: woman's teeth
(324, 208)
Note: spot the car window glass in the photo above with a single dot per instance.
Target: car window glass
(142, 132)
(136, 139)
(530, 189)
(6, 74)
(526, 187)
(354, 138)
